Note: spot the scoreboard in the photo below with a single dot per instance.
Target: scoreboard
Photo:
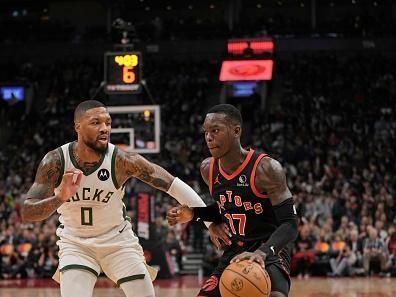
(122, 72)
(248, 59)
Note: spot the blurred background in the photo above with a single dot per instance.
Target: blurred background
(315, 81)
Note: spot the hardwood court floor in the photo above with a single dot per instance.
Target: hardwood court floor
(188, 287)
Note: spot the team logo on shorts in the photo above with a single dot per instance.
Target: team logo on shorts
(103, 174)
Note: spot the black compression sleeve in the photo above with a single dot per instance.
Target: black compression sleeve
(287, 230)
(209, 213)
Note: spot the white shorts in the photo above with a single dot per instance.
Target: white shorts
(117, 253)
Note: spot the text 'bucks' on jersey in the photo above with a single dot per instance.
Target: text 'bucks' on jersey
(247, 212)
(97, 206)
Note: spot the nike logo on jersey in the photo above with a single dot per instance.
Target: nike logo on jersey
(122, 229)
(272, 249)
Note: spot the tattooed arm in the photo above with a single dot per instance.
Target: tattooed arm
(40, 200)
(134, 165)
(205, 168)
(271, 178)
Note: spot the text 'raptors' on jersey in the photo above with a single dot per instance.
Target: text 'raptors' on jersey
(247, 212)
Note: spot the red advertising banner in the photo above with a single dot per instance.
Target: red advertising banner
(143, 215)
(246, 70)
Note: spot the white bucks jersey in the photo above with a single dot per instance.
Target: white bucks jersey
(97, 206)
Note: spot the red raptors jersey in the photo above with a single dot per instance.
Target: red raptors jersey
(247, 212)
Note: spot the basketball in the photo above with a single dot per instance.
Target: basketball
(245, 279)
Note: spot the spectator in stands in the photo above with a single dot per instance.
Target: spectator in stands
(334, 130)
(337, 244)
(391, 244)
(343, 263)
(343, 230)
(303, 255)
(356, 246)
(47, 263)
(172, 245)
(374, 249)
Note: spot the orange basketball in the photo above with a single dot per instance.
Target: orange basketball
(244, 279)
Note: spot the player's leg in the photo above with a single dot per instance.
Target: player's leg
(211, 287)
(75, 282)
(78, 268)
(127, 269)
(140, 287)
(122, 260)
(280, 283)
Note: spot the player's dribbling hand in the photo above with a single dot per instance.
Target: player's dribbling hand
(257, 256)
(220, 235)
(179, 215)
(70, 183)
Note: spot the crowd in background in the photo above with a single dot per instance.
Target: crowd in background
(181, 20)
(333, 129)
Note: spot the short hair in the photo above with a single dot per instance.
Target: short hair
(86, 105)
(229, 110)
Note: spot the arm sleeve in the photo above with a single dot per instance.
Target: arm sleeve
(185, 195)
(209, 214)
(287, 230)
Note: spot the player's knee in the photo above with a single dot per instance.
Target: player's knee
(138, 288)
(77, 283)
(277, 294)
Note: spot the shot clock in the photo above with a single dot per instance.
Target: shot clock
(122, 72)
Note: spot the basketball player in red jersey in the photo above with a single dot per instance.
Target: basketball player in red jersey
(252, 204)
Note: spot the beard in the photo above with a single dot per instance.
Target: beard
(96, 148)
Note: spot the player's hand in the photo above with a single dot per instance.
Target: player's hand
(257, 256)
(180, 214)
(70, 183)
(220, 235)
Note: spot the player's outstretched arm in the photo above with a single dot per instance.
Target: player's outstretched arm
(130, 164)
(40, 200)
(206, 213)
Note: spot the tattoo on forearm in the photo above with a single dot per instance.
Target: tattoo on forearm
(133, 164)
(160, 184)
(40, 202)
(38, 210)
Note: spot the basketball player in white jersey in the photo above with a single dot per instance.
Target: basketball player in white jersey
(83, 181)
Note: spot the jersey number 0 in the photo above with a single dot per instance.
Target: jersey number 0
(86, 216)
